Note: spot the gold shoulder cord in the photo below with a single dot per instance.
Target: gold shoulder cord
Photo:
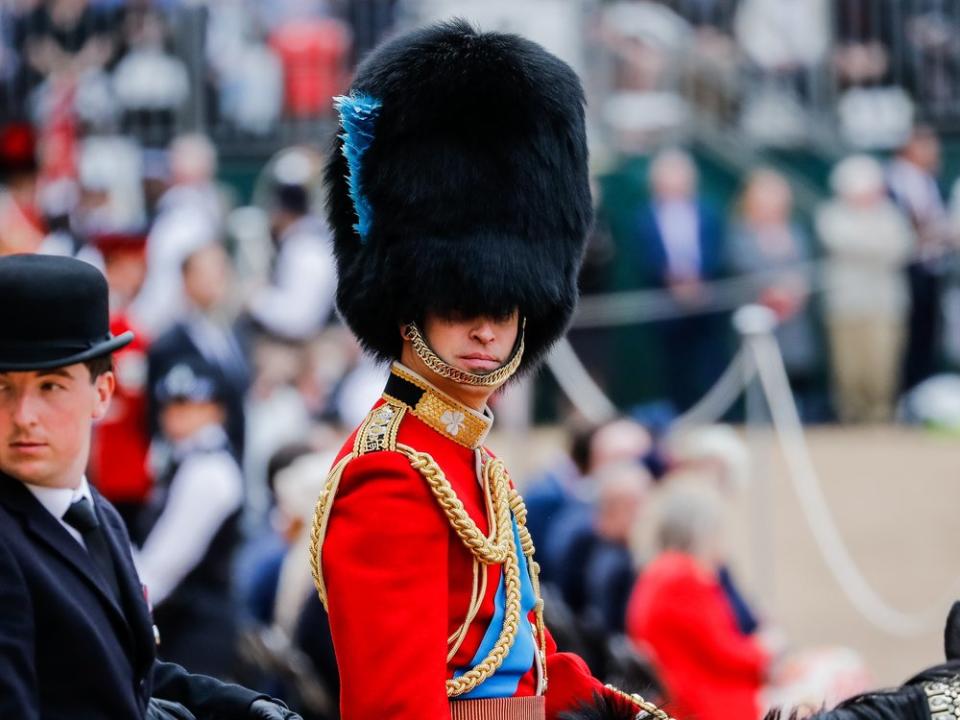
(379, 433)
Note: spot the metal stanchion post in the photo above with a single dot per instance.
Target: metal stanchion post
(752, 322)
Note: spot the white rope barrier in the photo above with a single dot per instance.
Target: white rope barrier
(719, 398)
(760, 356)
(632, 307)
(843, 567)
(577, 385)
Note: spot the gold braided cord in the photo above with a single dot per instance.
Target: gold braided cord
(477, 595)
(645, 705)
(483, 551)
(519, 510)
(444, 370)
(318, 530)
(484, 548)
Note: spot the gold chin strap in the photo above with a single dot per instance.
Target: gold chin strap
(441, 368)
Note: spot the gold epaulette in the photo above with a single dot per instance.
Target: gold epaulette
(377, 432)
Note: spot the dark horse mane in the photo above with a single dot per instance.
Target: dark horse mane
(907, 702)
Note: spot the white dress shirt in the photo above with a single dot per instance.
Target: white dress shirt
(58, 500)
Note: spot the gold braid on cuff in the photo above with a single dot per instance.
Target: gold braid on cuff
(441, 368)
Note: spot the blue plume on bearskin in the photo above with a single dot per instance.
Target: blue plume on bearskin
(358, 113)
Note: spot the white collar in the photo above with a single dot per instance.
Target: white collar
(58, 500)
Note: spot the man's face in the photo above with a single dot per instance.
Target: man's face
(45, 419)
(206, 277)
(477, 345)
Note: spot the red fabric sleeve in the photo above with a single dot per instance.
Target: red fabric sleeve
(385, 570)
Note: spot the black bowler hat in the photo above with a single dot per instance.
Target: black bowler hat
(53, 312)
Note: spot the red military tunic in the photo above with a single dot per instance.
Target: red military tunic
(399, 581)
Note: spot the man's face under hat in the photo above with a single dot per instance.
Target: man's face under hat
(45, 421)
(55, 319)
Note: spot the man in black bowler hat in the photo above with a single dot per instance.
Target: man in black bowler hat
(76, 636)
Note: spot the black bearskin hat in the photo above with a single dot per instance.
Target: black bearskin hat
(458, 186)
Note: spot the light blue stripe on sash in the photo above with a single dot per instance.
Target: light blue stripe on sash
(519, 660)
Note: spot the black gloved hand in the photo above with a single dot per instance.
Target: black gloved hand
(268, 710)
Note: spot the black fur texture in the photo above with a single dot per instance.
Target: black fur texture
(477, 179)
(603, 707)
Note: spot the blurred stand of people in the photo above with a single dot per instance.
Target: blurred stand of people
(868, 241)
(595, 567)
(189, 215)
(679, 613)
(191, 529)
(767, 243)
(298, 300)
(21, 224)
(65, 46)
(246, 73)
(121, 440)
(912, 182)
(567, 488)
(679, 246)
(149, 83)
(204, 331)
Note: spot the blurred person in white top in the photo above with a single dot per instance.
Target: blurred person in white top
(298, 299)
(189, 215)
(869, 241)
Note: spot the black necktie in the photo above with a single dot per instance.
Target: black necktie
(81, 517)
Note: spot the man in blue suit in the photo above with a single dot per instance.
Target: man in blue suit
(76, 636)
(679, 248)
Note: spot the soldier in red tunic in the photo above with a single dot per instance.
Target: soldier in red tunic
(459, 201)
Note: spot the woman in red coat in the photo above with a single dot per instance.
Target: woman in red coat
(678, 610)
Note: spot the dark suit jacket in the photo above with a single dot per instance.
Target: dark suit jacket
(68, 649)
(176, 345)
(651, 254)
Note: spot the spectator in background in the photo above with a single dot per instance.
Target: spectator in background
(711, 671)
(679, 247)
(766, 242)
(121, 440)
(204, 332)
(193, 528)
(868, 241)
(589, 546)
(189, 215)
(299, 298)
(569, 487)
(263, 557)
(65, 36)
(149, 83)
(21, 224)
(297, 489)
(912, 182)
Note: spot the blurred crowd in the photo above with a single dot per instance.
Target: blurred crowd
(861, 286)
(634, 545)
(242, 383)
